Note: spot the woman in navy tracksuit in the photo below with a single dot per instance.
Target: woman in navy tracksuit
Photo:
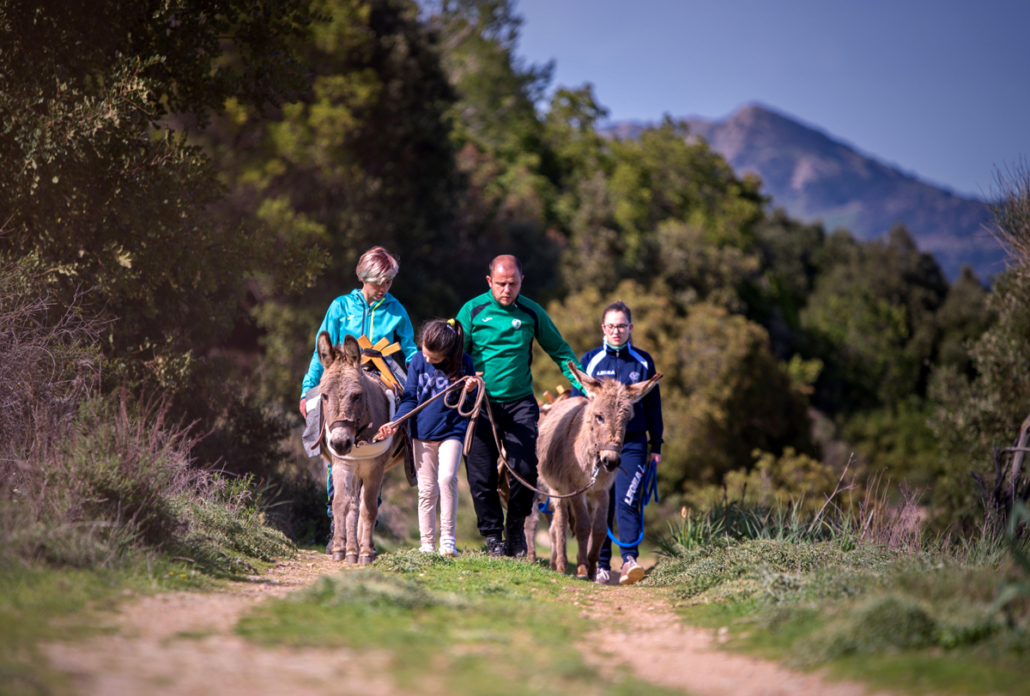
(616, 358)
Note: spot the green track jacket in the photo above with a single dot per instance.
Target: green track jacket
(500, 341)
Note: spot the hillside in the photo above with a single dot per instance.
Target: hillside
(815, 177)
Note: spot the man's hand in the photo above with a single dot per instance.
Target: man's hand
(656, 458)
(303, 408)
(385, 431)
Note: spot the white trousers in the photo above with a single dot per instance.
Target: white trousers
(436, 465)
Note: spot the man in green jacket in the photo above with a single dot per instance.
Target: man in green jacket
(500, 327)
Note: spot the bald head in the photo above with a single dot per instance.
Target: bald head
(506, 261)
(505, 279)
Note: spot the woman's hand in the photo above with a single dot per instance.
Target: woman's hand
(385, 431)
(303, 408)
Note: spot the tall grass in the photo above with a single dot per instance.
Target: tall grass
(119, 481)
(870, 520)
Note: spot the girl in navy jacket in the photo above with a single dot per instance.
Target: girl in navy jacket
(437, 432)
(618, 359)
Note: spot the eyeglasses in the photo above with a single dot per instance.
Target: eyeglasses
(614, 327)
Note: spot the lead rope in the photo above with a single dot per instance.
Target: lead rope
(472, 414)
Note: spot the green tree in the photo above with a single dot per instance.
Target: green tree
(98, 191)
(871, 318)
(974, 416)
(661, 177)
(362, 158)
(723, 392)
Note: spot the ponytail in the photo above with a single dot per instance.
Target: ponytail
(445, 338)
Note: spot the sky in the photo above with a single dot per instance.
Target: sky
(938, 89)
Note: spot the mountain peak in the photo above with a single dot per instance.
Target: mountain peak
(817, 177)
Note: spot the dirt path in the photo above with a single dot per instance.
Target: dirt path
(648, 637)
(183, 643)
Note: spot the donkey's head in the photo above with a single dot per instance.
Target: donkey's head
(345, 407)
(608, 411)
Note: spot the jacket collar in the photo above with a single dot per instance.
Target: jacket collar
(616, 352)
(358, 296)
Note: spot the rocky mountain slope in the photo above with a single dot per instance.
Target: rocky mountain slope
(815, 177)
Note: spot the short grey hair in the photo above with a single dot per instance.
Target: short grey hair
(377, 265)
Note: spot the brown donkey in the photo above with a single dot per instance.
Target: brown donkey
(354, 405)
(579, 437)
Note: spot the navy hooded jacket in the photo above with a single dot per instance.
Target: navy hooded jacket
(436, 422)
(630, 365)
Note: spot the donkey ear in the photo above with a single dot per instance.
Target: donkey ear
(639, 390)
(351, 350)
(590, 385)
(326, 353)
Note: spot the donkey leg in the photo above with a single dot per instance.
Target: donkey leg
(342, 483)
(353, 513)
(582, 518)
(369, 512)
(559, 555)
(598, 532)
(530, 525)
(551, 531)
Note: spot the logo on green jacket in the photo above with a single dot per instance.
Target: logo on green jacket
(516, 323)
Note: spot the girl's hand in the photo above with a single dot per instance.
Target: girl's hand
(470, 382)
(384, 432)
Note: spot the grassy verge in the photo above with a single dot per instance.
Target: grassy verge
(923, 621)
(471, 625)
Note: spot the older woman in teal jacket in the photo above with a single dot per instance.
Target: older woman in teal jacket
(368, 311)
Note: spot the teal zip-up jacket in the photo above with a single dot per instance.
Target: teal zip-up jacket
(500, 341)
(349, 314)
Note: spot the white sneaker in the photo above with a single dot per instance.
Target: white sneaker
(603, 576)
(427, 548)
(632, 572)
(448, 549)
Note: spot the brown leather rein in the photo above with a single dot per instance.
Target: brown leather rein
(473, 413)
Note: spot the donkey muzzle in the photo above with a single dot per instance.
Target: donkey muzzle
(610, 456)
(341, 438)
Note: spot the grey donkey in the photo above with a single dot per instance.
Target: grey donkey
(578, 436)
(354, 405)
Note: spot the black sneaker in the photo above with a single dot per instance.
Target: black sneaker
(332, 531)
(494, 546)
(515, 529)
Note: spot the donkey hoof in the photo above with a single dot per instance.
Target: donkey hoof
(352, 559)
(366, 560)
(582, 573)
(338, 555)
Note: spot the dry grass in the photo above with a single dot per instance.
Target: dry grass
(88, 480)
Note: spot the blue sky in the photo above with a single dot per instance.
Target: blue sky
(939, 89)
